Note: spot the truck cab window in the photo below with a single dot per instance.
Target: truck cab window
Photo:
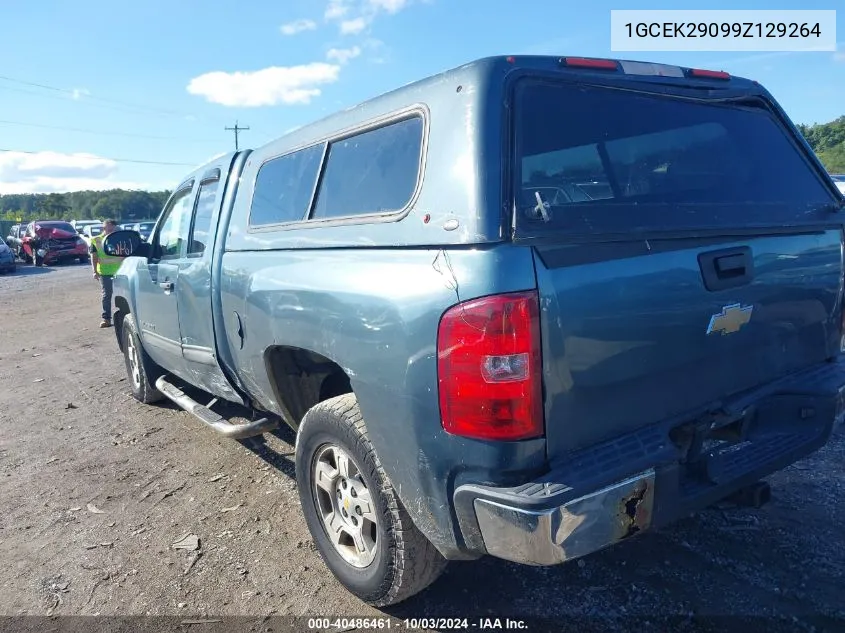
(174, 232)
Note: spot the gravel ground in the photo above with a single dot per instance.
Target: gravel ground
(97, 488)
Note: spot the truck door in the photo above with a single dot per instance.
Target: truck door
(194, 291)
(158, 278)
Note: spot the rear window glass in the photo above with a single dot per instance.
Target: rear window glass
(284, 187)
(600, 159)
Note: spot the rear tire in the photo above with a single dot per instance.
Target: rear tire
(387, 559)
(141, 370)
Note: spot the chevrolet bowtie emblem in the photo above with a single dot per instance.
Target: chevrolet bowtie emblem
(730, 319)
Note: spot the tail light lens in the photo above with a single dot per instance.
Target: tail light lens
(489, 368)
(586, 62)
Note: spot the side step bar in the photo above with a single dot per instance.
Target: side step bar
(209, 417)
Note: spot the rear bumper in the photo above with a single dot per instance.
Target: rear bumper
(611, 492)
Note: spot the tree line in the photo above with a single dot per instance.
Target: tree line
(119, 204)
(828, 142)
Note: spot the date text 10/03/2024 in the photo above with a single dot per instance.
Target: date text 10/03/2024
(480, 624)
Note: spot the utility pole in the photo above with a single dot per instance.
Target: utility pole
(236, 129)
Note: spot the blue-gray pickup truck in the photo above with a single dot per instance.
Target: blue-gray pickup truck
(529, 307)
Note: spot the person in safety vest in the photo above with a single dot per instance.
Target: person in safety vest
(105, 267)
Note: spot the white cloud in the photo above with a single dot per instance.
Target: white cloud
(356, 15)
(353, 27)
(275, 85)
(78, 93)
(49, 172)
(298, 26)
(839, 56)
(343, 55)
(390, 6)
(336, 10)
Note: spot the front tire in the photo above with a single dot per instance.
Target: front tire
(362, 531)
(140, 368)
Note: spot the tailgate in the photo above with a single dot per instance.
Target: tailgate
(686, 250)
(633, 341)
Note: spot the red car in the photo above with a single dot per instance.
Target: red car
(51, 241)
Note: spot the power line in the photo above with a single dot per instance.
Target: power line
(236, 129)
(75, 94)
(106, 133)
(116, 160)
(62, 97)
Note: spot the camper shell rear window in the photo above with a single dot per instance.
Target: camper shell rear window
(602, 159)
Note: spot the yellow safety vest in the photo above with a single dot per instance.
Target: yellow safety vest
(107, 265)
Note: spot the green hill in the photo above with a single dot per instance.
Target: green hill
(828, 141)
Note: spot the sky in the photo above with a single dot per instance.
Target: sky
(97, 95)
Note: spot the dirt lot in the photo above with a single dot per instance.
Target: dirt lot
(96, 489)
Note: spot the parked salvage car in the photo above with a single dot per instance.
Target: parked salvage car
(52, 241)
(13, 231)
(79, 225)
(530, 307)
(7, 259)
(15, 239)
(144, 228)
(91, 231)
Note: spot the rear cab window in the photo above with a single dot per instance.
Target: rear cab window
(606, 160)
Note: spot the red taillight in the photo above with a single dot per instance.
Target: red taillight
(586, 62)
(709, 74)
(489, 368)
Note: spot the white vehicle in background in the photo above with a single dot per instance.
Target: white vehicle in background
(839, 179)
(80, 225)
(90, 231)
(144, 228)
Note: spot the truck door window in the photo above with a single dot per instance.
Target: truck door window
(202, 217)
(372, 172)
(173, 236)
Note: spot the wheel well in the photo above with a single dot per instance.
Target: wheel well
(301, 378)
(122, 310)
